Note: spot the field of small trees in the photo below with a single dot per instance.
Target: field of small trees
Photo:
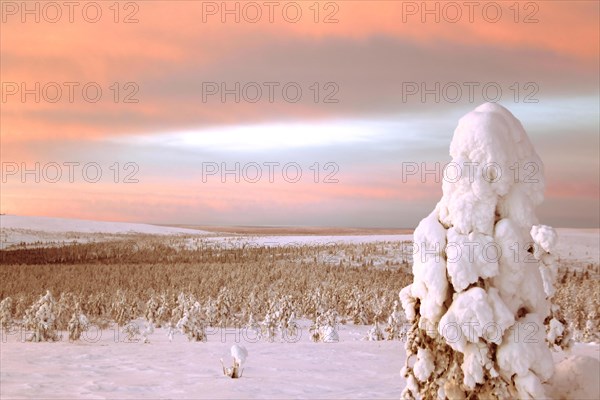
(186, 286)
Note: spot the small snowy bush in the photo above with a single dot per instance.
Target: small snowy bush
(122, 311)
(77, 324)
(269, 327)
(6, 313)
(239, 354)
(40, 318)
(324, 328)
(394, 326)
(192, 325)
(375, 333)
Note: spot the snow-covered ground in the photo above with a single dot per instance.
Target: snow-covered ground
(111, 367)
(351, 368)
(311, 240)
(15, 229)
(579, 245)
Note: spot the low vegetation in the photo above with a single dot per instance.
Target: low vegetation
(175, 282)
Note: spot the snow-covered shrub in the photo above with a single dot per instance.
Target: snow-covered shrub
(290, 329)
(591, 332)
(283, 316)
(40, 318)
(192, 325)
(158, 311)
(375, 333)
(6, 313)
(479, 302)
(131, 331)
(224, 306)
(356, 308)
(253, 327)
(239, 354)
(179, 309)
(121, 310)
(77, 324)
(163, 312)
(148, 330)
(65, 305)
(151, 313)
(212, 312)
(324, 329)
(269, 327)
(395, 323)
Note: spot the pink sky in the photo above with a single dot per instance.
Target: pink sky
(362, 58)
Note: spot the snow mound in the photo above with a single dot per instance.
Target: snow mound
(239, 354)
(576, 377)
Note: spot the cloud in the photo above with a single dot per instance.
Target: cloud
(363, 62)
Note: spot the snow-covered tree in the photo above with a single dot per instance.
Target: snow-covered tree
(77, 324)
(291, 327)
(131, 331)
(178, 311)
(212, 312)
(40, 318)
(375, 333)
(324, 329)
(253, 327)
(6, 313)
(356, 308)
(224, 306)
(192, 324)
(479, 302)
(121, 309)
(148, 330)
(394, 325)
(269, 327)
(591, 330)
(164, 309)
(285, 317)
(151, 313)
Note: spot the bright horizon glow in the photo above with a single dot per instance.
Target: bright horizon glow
(260, 137)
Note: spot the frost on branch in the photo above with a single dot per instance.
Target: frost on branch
(480, 301)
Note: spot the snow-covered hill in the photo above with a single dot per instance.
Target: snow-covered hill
(16, 229)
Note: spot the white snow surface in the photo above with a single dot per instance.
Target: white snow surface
(304, 240)
(239, 353)
(48, 224)
(578, 245)
(576, 377)
(15, 229)
(352, 368)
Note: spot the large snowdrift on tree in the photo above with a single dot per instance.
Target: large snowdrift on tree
(483, 271)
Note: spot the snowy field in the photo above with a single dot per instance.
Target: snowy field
(351, 368)
(114, 368)
(575, 245)
(16, 229)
